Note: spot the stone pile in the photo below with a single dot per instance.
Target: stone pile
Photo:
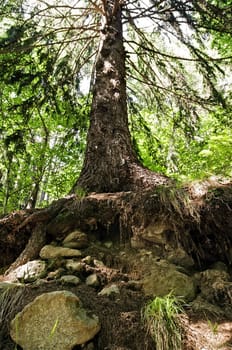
(57, 320)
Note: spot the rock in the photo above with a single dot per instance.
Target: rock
(201, 307)
(87, 260)
(215, 286)
(52, 252)
(76, 239)
(180, 257)
(212, 275)
(74, 265)
(109, 290)
(53, 320)
(98, 263)
(53, 275)
(28, 272)
(70, 279)
(163, 278)
(108, 244)
(92, 280)
(156, 233)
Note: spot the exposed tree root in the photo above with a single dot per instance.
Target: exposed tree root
(32, 249)
(202, 226)
(128, 177)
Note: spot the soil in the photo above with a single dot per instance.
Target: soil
(120, 314)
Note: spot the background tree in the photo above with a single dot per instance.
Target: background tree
(43, 123)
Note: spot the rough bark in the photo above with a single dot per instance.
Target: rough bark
(110, 163)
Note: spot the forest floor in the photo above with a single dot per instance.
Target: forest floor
(120, 314)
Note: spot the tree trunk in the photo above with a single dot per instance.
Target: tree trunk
(110, 163)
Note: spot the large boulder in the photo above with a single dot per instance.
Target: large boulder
(53, 320)
(164, 278)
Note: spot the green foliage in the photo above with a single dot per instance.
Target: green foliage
(187, 152)
(210, 151)
(213, 326)
(162, 319)
(43, 115)
(43, 127)
(218, 21)
(40, 162)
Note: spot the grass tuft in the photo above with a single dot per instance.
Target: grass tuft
(162, 320)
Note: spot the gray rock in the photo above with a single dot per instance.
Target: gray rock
(52, 252)
(202, 306)
(92, 280)
(98, 263)
(76, 239)
(74, 265)
(180, 257)
(108, 244)
(28, 272)
(108, 290)
(70, 279)
(215, 286)
(164, 278)
(53, 320)
(156, 233)
(87, 260)
(53, 275)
